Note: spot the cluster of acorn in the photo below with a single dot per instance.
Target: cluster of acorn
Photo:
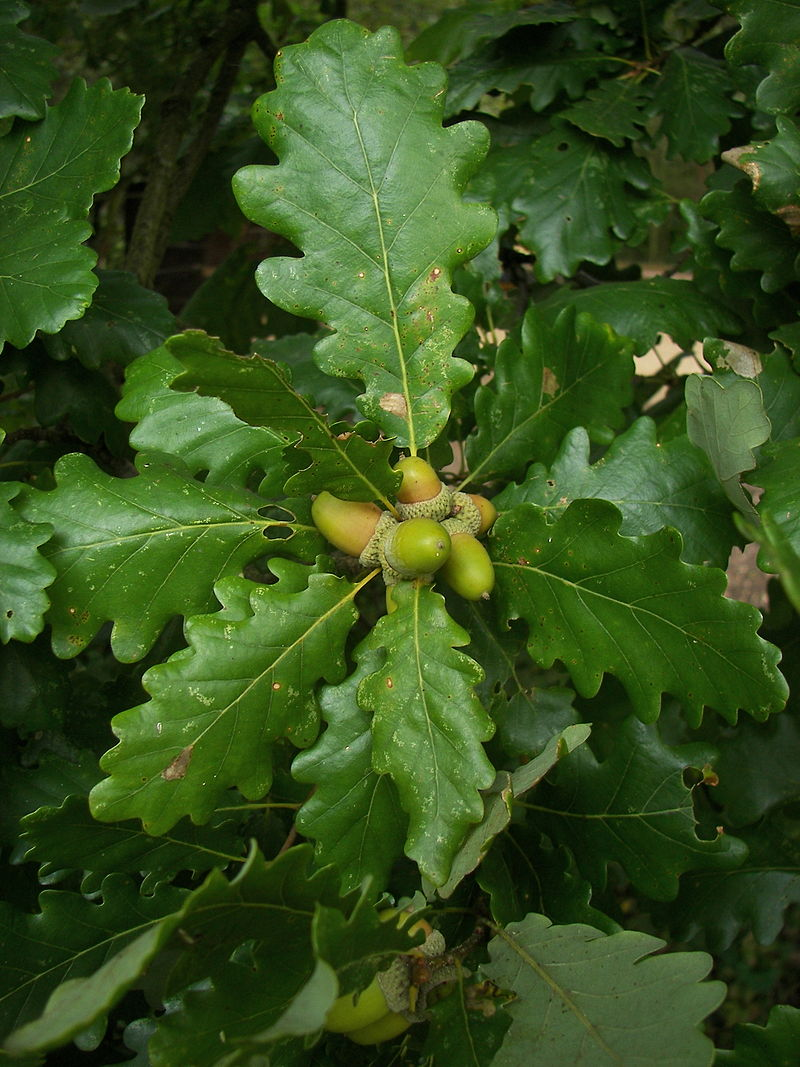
(394, 999)
(435, 532)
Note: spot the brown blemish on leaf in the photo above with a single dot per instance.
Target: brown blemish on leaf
(733, 156)
(549, 382)
(394, 403)
(179, 766)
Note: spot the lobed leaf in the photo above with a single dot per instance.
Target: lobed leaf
(67, 838)
(388, 176)
(24, 573)
(602, 603)
(246, 680)
(49, 174)
(27, 69)
(773, 1045)
(634, 808)
(200, 431)
(124, 321)
(499, 800)
(715, 907)
(260, 393)
(71, 937)
(574, 201)
(573, 371)
(590, 999)
(354, 814)
(768, 37)
(643, 309)
(654, 484)
(694, 99)
(725, 417)
(138, 551)
(779, 509)
(428, 725)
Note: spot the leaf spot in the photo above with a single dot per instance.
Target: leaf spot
(394, 404)
(179, 766)
(550, 384)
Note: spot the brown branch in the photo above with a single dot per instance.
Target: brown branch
(172, 170)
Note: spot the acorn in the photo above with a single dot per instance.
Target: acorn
(347, 524)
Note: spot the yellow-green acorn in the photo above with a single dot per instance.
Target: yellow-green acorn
(420, 480)
(488, 512)
(347, 524)
(417, 547)
(468, 570)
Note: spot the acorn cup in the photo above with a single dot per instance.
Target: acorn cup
(421, 494)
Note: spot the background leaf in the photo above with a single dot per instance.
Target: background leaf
(386, 173)
(592, 999)
(428, 725)
(654, 484)
(634, 808)
(71, 937)
(24, 573)
(541, 390)
(768, 37)
(246, 679)
(27, 69)
(50, 174)
(773, 1045)
(694, 98)
(643, 309)
(627, 606)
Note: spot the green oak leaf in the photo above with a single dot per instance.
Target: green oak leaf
(601, 603)
(725, 417)
(201, 431)
(35, 687)
(388, 178)
(574, 201)
(27, 69)
(694, 98)
(140, 550)
(295, 351)
(759, 240)
(428, 725)
(54, 778)
(24, 573)
(780, 386)
(354, 814)
(71, 937)
(498, 802)
(600, 999)
(756, 764)
(246, 680)
(612, 110)
(715, 907)
(50, 174)
(124, 321)
(643, 309)
(274, 989)
(67, 838)
(773, 1045)
(459, 1034)
(562, 373)
(470, 28)
(653, 484)
(525, 872)
(779, 510)
(773, 167)
(260, 393)
(770, 30)
(634, 808)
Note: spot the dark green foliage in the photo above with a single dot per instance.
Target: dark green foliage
(227, 746)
